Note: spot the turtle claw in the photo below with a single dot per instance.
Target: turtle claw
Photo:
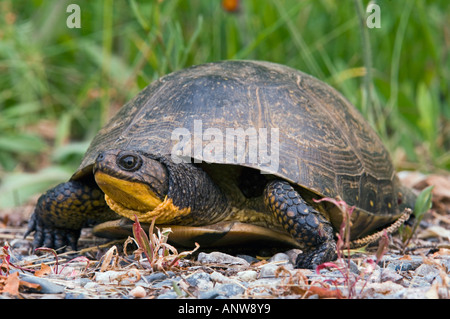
(312, 259)
(51, 237)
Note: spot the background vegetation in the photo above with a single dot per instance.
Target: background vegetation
(58, 86)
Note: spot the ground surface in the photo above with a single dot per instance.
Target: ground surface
(401, 273)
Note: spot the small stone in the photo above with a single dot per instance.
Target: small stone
(268, 271)
(166, 283)
(91, 285)
(399, 264)
(388, 274)
(383, 288)
(47, 287)
(249, 259)
(375, 276)
(409, 293)
(292, 255)
(200, 280)
(221, 258)
(229, 290)
(426, 273)
(157, 276)
(20, 247)
(354, 267)
(210, 294)
(196, 277)
(109, 277)
(247, 275)
(75, 296)
(168, 295)
(138, 292)
(425, 270)
(218, 277)
(82, 281)
(279, 258)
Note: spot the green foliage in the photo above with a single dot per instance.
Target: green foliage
(58, 85)
(422, 205)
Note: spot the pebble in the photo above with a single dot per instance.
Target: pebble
(166, 283)
(229, 290)
(387, 274)
(91, 285)
(399, 264)
(138, 292)
(209, 294)
(249, 259)
(280, 259)
(268, 271)
(119, 277)
(383, 288)
(247, 275)
(218, 277)
(221, 258)
(200, 280)
(47, 287)
(168, 295)
(158, 276)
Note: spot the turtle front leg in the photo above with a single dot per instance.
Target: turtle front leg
(62, 211)
(305, 224)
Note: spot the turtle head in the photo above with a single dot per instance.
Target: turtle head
(132, 179)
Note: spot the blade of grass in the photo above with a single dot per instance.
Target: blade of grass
(299, 42)
(368, 106)
(106, 58)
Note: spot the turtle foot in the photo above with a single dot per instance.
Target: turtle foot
(306, 225)
(51, 237)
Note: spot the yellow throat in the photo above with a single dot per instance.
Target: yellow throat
(128, 198)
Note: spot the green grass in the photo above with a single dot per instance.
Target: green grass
(58, 86)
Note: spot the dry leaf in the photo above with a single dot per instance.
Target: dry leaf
(324, 292)
(435, 231)
(132, 275)
(109, 255)
(26, 284)
(441, 190)
(12, 284)
(441, 185)
(45, 270)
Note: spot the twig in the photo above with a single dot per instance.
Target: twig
(389, 230)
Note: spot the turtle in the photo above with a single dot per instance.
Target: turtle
(233, 152)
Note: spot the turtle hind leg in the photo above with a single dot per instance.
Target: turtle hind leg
(305, 224)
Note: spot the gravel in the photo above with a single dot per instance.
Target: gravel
(218, 275)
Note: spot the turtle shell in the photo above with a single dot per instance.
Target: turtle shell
(319, 140)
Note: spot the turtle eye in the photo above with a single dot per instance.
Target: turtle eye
(129, 162)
